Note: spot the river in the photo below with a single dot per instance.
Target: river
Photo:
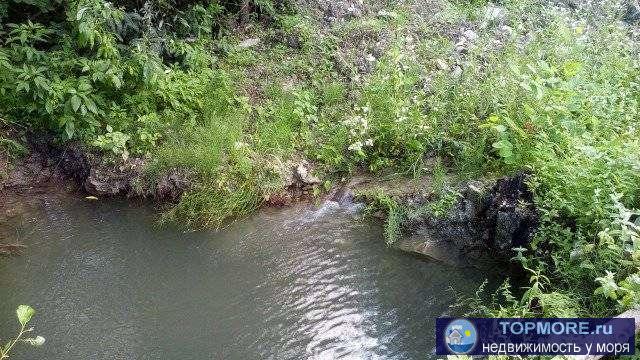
(293, 283)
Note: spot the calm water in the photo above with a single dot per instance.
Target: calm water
(294, 283)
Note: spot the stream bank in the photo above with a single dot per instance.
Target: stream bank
(485, 221)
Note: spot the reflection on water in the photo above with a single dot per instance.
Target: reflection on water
(297, 283)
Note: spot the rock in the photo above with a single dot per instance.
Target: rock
(457, 71)
(303, 174)
(341, 10)
(247, 43)
(171, 185)
(461, 45)
(49, 163)
(470, 35)
(495, 14)
(74, 162)
(465, 41)
(442, 65)
(506, 30)
(354, 11)
(511, 215)
(298, 183)
(487, 221)
(387, 14)
(104, 181)
(632, 11)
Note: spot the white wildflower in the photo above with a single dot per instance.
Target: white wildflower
(357, 146)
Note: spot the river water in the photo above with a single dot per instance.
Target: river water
(294, 283)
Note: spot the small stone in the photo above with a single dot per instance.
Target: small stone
(457, 71)
(506, 29)
(304, 174)
(632, 13)
(470, 35)
(442, 65)
(251, 42)
(495, 14)
(387, 14)
(461, 45)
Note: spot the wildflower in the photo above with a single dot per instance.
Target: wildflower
(356, 147)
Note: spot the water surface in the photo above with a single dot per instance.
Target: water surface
(295, 283)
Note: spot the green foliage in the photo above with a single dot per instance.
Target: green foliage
(12, 148)
(387, 127)
(113, 141)
(144, 81)
(395, 214)
(24, 314)
(562, 106)
(109, 69)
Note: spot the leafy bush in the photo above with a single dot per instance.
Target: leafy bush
(96, 65)
(387, 127)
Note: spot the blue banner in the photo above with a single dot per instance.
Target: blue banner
(536, 336)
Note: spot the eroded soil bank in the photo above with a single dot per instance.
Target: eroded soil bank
(485, 220)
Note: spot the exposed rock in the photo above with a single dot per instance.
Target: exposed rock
(465, 41)
(113, 180)
(342, 10)
(485, 220)
(304, 174)
(457, 71)
(470, 35)
(251, 42)
(632, 11)
(511, 215)
(128, 179)
(442, 65)
(495, 14)
(50, 163)
(384, 14)
(171, 185)
(298, 183)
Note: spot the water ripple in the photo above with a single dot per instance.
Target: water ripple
(297, 283)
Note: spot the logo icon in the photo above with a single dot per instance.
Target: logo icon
(460, 336)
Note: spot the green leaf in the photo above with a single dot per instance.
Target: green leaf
(25, 313)
(75, 102)
(69, 129)
(116, 81)
(91, 106)
(80, 13)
